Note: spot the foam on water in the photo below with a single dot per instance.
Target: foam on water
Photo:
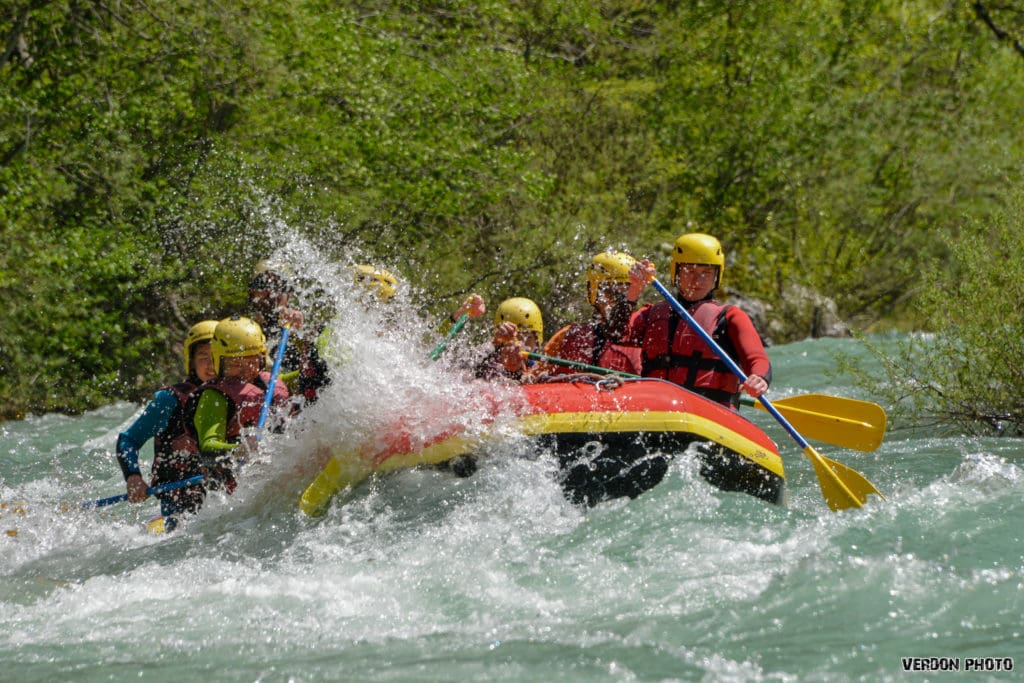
(421, 575)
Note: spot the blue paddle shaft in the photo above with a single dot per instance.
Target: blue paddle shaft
(269, 397)
(726, 359)
(151, 491)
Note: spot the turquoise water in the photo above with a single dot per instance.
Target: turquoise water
(420, 576)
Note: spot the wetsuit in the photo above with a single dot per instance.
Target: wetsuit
(175, 455)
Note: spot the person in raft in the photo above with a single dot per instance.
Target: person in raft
(518, 327)
(673, 351)
(225, 410)
(381, 285)
(271, 295)
(175, 452)
(613, 297)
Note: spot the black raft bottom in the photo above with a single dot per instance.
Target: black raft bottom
(599, 467)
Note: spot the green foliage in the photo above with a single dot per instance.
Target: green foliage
(971, 373)
(149, 154)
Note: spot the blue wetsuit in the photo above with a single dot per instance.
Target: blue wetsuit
(154, 420)
(161, 420)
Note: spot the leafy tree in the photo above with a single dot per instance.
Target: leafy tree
(149, 154)
(969, 375)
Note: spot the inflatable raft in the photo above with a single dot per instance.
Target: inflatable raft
(612, 437)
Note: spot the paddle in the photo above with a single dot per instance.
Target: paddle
(843, 422)
(268, 396)
(841, 486)
(451, 333)
(151, 491)
(19, 508)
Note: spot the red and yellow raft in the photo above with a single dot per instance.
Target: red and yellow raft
(612, 438)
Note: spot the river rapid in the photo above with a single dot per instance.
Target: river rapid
(422, 576)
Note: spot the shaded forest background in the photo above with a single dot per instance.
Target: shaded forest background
(150, 152)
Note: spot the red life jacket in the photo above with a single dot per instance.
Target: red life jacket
(245, 401)
(582, 344)
(673, 351)
(175, 449)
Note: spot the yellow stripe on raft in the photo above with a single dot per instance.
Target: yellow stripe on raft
(347, 469)
(652, 421)
(350, 468)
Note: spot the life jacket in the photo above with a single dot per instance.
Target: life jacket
(583, 344)
(175, 449)
(673, 351)
(245, 400)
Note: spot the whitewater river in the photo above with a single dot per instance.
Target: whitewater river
(421, 576)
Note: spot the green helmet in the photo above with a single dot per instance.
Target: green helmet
(521, 311)
(379, 281)
(198, 333)
(608, 266)
(236, 337)
(699, 249)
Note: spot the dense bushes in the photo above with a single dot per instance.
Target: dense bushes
(149, 153)
(971, 374)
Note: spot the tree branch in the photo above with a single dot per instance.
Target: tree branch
(1004, 36)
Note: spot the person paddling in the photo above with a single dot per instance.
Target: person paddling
(597, 342)
(225, 409)
(673, 351)
(175, 452)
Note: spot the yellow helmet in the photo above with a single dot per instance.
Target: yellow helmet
(608, 266)
(523, 312)
(236, 337)
(700, 249)
(200, 332)
(379, 281)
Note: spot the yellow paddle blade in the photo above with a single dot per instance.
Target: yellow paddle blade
(851, 409)
(156, 525)
(841, 486)
(843, 422)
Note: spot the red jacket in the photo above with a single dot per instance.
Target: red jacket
(673, 351)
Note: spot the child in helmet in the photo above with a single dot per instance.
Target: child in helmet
(597, 342)
(228, 406)
(175, 453)
(672, 351)
(518, 327)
